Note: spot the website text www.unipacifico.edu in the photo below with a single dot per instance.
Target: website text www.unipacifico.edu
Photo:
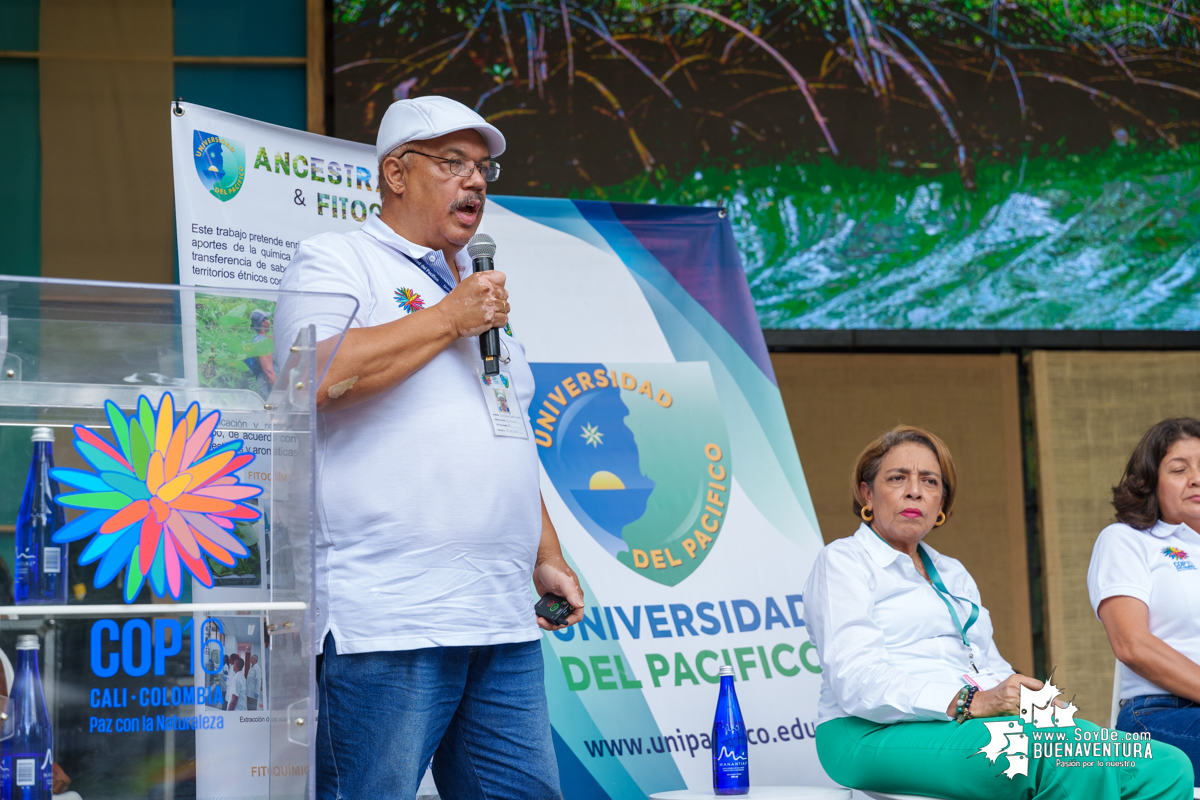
(691, 742)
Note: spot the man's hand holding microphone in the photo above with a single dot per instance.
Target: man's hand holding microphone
(477, 304)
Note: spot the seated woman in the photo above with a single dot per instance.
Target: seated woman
(1145, 585)
(909, 668)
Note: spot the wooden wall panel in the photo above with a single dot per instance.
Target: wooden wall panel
(1090, 409)
(106, 76)
(315, 64)
(837, 403)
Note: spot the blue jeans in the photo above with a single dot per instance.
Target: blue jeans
(1166, 718)
(480, 712)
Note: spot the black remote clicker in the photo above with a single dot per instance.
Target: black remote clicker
(553, 609)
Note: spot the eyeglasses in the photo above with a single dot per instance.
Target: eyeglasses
(465, 167)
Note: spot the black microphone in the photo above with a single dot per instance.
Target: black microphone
(481, 248)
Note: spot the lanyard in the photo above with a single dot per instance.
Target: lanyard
(940, 587)
(433, 274)
(436, 276)
(943, 593)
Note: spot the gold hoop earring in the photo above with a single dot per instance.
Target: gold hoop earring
(866, 514)
(941, 520)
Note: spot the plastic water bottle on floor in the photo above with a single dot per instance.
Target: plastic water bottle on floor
(27, 759)
(731, 759)
(41, 563)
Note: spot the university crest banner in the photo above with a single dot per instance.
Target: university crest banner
(669, 467)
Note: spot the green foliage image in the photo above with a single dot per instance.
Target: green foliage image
(225, 340)
(248, 571)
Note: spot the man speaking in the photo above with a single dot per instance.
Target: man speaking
(430, 520)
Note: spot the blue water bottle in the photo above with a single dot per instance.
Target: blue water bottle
(731, 759)
(27, 759)
(41, 563)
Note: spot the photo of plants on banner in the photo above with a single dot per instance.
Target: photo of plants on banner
(1002, 164)
(161, 501)
(234, 344)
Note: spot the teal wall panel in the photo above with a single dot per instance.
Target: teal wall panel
(20, 145)
(270, 94)
(240, 28)
(19, 24)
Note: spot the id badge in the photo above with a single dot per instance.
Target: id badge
(982, 679)
(985, 679)
(501, 398)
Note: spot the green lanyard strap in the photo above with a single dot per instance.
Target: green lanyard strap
(942, 592)
(945, 595)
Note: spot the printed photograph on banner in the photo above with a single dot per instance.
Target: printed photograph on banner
(248, 578)
(234, 664)
(233, 751)
(248, 571)
(234, 343)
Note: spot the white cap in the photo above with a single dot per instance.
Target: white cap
(428, 118)
(42, 435)
(28, 642)
(723, 671)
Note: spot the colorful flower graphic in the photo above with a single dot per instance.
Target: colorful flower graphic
(409, 300)
(159, 499)
(1174, 553)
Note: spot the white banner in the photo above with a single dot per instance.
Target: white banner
(668, 464)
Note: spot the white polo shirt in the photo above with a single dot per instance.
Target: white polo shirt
(238, 689)
(1160, 567)
(428, 523)
(888, 648)
(253, 685)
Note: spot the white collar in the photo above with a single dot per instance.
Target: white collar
(882, 552)
(378, 229)
(1164, 529)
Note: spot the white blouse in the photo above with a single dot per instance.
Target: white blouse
(1158, 567)
(888, 648)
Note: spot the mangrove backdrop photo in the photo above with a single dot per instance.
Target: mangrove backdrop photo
(910, 165)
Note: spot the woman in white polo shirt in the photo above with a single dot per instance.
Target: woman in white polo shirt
(1144, 584)
(909, 668)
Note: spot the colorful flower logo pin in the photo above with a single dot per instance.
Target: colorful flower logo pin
(160, 501)
(409, 300)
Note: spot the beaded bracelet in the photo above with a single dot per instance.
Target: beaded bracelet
(963, 707)
(959, 702)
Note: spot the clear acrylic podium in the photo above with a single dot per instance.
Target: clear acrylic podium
(141, 672)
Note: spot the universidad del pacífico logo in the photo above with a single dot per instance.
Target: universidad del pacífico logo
(220, 163)
(640, 455)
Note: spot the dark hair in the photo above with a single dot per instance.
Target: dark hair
(867, 465)
(257, 318)
(6, 585)
(1136, 497)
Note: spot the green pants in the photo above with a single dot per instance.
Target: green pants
(942, 759)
